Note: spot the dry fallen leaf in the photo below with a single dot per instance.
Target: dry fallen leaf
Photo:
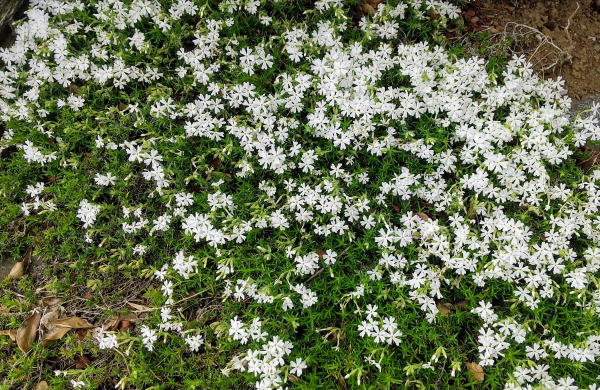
(52, 332)
(73, 88)
(43, 385)
(342, 382)
(444, 308)
(56, 333)
(131, 317)
(374, 3)
(12, 333)
(17, 270)
(461, 305)
(49, 302)
(53, 313)
(140, 307)
(81, 334)
(111, 323)
(214, 166)
(476, 370)
(71, 322)
(421, 215)
(357, 17)
(209, 175)
(124, 325)
(82, 362)
(27, 333)
(293, 378)
(589, 163)
(368, 9)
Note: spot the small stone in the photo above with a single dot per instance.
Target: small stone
(597, 47)
(494, 30)
(598, 69)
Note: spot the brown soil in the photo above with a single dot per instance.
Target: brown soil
(560, 37)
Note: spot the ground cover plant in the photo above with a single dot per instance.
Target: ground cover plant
(307, 202)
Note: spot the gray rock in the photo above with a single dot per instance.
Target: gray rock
(10, 10)
(584, 104)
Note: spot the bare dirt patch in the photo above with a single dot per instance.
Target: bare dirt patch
(560, 37)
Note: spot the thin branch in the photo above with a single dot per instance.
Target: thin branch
(323, 268)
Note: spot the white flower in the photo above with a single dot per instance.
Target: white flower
(297, 367)
(107, 340)
(287, 304)
(148, 337)
(194, 342)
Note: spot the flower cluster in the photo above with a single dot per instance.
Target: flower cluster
(293, 174)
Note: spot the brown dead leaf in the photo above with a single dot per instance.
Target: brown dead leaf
(140, 307)
(55, 327)
(216, 164)
(342, 382)
(209, 174)
(71, 322)
(52, 313)
(125, 325)
(111, 323)
(421, 215)
(81, 334)
(476, 370)
(27, 333)
(396, 207)
(122, 106)
(87, 296)
(17, 271)
(374, 3)
(444, 308)
(293, 378)
(56, 333)
(43, 385)
(52, 332)
(368, 9)
(12, 333)
(586, 165)
(49, 302)
(321, 252)
(72, 88)
(463, 305)
(82, 362)
(134, 319)
(357, 18)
